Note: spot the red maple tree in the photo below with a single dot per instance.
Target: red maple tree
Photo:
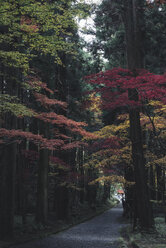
(113, 85)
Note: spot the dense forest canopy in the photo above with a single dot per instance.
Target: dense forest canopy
(80, 119)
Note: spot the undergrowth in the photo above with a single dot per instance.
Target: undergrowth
(155, 239)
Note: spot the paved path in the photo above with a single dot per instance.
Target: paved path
(99, 232)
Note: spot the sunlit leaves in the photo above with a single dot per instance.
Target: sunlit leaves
(109, 179)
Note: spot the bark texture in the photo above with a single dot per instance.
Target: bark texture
(133, 20)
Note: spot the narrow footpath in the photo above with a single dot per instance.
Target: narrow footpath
(99, 232)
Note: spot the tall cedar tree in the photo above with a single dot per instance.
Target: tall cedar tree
(134, 39)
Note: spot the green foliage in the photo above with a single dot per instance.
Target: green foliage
(33, 31)
(155, 25)
(34, 28)
(110, 35)
(15, 59)
(10, 104)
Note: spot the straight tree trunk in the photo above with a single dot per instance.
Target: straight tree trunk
(42, 182)
(106, 193)
(42, 187)
(134, 42)
(159, 182)
(7, 189)
(62, 202)
(83, 174)
(8, 156)
(152, 182)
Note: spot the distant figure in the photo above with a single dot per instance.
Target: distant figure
(123, 205)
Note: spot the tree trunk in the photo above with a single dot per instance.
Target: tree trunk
(106, 193)
(8, 156)
(42, 187)
(62, 202)
(7, 189)
(135, 60)
(42, 181)
(159, 182)
(152, 182)
(144, 209)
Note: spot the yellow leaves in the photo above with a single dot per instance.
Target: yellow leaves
(109, 179)
(161, 161)
(95, 103)
(158, 121)
(153, 160)
(109, 158)
(59, 166)
(150, 158)
(105, 161)
(93, 163)
(154, 103)
(126, 158)
(163, 109)
(159, 108)
(115, 159)
(105, 132)
(100, 162)
(112, 130)
(109, 131)
(126, 149)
